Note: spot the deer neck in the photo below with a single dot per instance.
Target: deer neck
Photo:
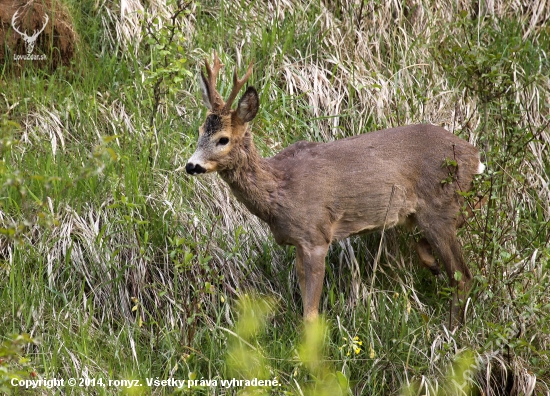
(252, 180)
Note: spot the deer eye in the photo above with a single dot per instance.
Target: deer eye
(223, 141)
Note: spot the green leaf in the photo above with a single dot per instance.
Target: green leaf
(458, 276)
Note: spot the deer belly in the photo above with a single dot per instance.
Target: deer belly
(372, 219)
(344, 229)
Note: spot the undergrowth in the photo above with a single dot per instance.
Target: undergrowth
(116, 265)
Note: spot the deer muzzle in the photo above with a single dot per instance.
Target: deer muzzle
(194, 169)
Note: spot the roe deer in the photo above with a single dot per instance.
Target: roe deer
(311, 194)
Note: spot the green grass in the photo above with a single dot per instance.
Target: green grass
(119, 266)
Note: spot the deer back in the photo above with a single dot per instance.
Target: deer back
(368, 182)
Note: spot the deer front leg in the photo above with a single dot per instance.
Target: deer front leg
(314, 269)
(300, 271)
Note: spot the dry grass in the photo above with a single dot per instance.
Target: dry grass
(366, 65)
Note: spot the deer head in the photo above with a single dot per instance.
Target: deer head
(29, 40)
(221, 136)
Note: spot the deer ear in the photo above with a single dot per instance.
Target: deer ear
(203, 83)
(248, 105)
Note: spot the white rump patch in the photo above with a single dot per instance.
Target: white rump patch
(480, 168)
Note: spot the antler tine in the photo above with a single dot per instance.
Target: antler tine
(215, 98)
(237, 85)
(213, 73)
(13, 19)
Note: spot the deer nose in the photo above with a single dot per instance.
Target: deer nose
(194, 169)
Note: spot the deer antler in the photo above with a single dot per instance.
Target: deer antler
(24, 34)
(46, 19)
(13, 24)
(237, 85)
(29, 40)
(213, 95)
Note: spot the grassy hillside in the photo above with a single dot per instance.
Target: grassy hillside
(114, 264)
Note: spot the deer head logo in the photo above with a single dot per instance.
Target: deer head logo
(29, 40)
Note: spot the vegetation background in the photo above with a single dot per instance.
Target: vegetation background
(115, 264)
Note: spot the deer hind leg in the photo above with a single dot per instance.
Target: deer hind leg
(423, 247)
(440, 232)
(313, 272)
(427, 259)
